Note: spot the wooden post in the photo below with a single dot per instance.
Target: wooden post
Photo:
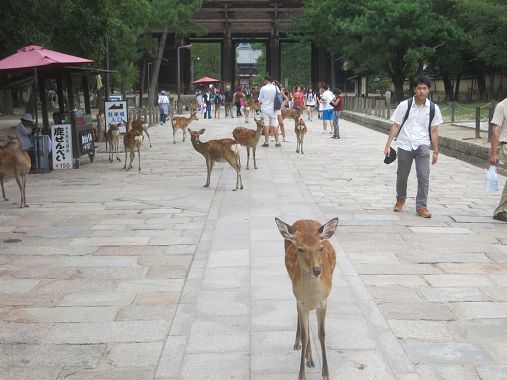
(477, 122)
(453, 111)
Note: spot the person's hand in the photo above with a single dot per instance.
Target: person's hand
(434, 159)
(493, 158)
(387, 151)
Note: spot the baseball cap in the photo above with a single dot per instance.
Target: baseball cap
(391, 158)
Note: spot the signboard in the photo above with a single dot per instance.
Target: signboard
(62, 146)
(117, 113)
(85, 140)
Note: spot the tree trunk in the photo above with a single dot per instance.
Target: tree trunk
(141, 83)
(481, 83)
(156, 68)
(7, 107)
(491, 84)
(447, 86)
(456, 87)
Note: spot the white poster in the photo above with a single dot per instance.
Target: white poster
(62, 146)
(117, 113)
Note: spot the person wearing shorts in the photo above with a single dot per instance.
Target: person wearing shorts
(311, 100)
(267, 100)
(327, 108)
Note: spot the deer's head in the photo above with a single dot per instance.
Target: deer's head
(308, 238)
(193, 116)
(194, 136)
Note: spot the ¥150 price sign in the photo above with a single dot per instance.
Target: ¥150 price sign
(62, 146)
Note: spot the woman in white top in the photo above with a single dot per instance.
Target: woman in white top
(311, 101)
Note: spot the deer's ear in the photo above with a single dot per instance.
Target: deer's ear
(189, 130)
(326, 231)
(285, 230)
(201, 131)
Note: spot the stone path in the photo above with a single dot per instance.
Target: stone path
(149, 275)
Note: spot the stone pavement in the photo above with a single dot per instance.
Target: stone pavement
(116, 275)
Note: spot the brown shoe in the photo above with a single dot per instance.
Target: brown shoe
(423, 212)
(399, 205)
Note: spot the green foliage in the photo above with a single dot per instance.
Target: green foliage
(209, 62)
(296, 64)
(260, 64)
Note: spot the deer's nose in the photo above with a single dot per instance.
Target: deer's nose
(316, 271)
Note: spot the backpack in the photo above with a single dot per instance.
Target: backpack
(277, 105)
(409, 106)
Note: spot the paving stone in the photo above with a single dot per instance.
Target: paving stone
(114, 240)
(440, 230)
(64, 314)
(481, 268)
(492, 372)
(386, 269)
(216, 366)
(421, 310)
(446, 371)
(147, 285)
(225, 278)
(358, 365)
(28, 355)
(393, 280)
(146, 312)
(452, 294)
(98, 299)
(458, 280)
(433, 331)
(100, 261)
(429, 352)
(275, 315)
(475, 310)
(383, 294)
(172, 356)
(11, 285)
(222, 302)
(107, 332)
(229, 258)
(134, 354)
(109, 374)
(154, 298)
(38, 373)
(219, 334)
(425, 257)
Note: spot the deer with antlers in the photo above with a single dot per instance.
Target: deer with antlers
(224, 150)
(132, 140)
(249, 138)
(182, 122)
(113, 141)
(300, 130)
(310, 260)
(141, 126)
(15, 162)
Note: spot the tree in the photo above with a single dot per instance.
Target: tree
(394, 36)
(296, 63)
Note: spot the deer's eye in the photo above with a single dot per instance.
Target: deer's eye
(301, 250)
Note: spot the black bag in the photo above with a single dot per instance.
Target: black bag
(278, 100)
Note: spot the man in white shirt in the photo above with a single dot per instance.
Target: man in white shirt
(163, 102)
(414, 138)
(499, 140)
(267, 101)
(326, 96)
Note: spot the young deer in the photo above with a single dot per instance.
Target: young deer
(310, 260)
(141, 126)
(181, 122)
(113, 141)
(249, 138)
(291, 113)
(250, 106)
(224, 150)
(132, 140)
(300, 130)
(15, 162)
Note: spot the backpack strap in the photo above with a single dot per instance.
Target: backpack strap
(432, 115)
(409, 106)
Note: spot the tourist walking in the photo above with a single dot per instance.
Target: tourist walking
(238, 95)
(207, 97)
(267, 100)
(218, 102)
(499, 150)
(326, 107)
(228, 97)
(337, 110)
(163, 103)
(298, 99)
(311, 101)
(415, 122)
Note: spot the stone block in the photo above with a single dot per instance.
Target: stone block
(457, 353)
(134, 354)
(216, 366)
(433, 331)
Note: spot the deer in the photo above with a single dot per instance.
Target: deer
(193, 105)
(310, 260)
(182, 122)
(224, 150)
(113, 141)
(132, 140)
(300, 130)
(142, 126)
(250, 105)
(15, 162)
(291, 113)
(249, 138)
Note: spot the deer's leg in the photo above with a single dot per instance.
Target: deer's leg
(321, 319)
(184, 134)
(247, 157)
(23, 180)
(2, 183)
(297, 343)
(147, 134)
(253, 151)
(139, 155)
(309, 358)
(209, 168)
(297, 142)
(303, 319)
(125, 164)
(20, 185)
(174, 135)
(302, 140)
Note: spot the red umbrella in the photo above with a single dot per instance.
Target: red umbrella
(205, 80)
(37, 56)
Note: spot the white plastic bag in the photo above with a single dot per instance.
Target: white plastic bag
(491, 179)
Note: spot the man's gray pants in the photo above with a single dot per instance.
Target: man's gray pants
(422, 167)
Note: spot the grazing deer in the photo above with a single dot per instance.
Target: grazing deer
(182, 122)
(251, 105)
(141, 126)
(15, 162)
(249, 138)
(300, 130)
(113, 141)
(224, 150)
(132, 140)
(310, 260)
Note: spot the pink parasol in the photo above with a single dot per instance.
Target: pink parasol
(205, 80)
(36, 56)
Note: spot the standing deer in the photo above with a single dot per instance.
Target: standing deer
(291, 113)
(181, 122)
(249, 138)
(310, 260)
(132, 140)
(251, 105)
(300, 130)
(15, 162)
(224, 150)
(113, 141)
(141, 126)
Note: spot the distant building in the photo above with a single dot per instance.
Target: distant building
(246, 57)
